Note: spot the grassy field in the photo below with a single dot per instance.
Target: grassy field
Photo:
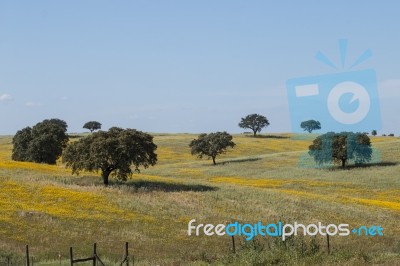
(259, 180)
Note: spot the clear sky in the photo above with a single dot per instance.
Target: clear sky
(183, 66)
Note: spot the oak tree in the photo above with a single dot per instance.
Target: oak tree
(211, 145)
(341, 147)
(255, 122)
(310, 125)
(92, 126)
(43, 143)
(116, 152)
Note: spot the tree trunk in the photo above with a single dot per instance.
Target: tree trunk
(213, 158)
(254, 133)
(105, 174)
(343, 163)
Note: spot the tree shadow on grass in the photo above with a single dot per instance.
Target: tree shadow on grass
(366, 165)
(167, 186)
(239, 161)
(144, 185)
(268, 137)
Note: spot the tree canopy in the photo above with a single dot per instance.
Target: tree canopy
(211, 145)
(92, 125)
(42, 144)
(114, 152)
(310, 125)
(255, 122)
(341, 147)
(21, 142)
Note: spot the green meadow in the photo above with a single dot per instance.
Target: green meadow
(261, 179)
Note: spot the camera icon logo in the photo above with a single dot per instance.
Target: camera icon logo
(345, 101)
(359, 93)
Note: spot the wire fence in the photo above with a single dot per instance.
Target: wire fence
(94, 258)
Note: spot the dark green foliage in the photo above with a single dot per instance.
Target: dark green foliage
(20, 143)
(92, 125)
(41, 144)
(341, 147)
(48, 140)
(374, 132)
(310, 125)
(113, 152)
(211, 145)
(255, 122)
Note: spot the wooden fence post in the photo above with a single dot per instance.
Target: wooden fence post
(127, 253)
(27, 255)
(94, 254)
(329, 246)
(233, 245)
(71, 256)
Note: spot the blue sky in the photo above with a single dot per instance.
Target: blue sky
(182, 66)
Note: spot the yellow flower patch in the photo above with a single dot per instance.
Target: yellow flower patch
(265, 183)
(378, 203)
(17, 200)
(44, 168)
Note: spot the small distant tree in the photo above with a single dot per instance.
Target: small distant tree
(374, 132)
(113, 152)
(255, 122)
(310, 125)
(92, 126)
(211, 145)
(341, 147)
(42, 143)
